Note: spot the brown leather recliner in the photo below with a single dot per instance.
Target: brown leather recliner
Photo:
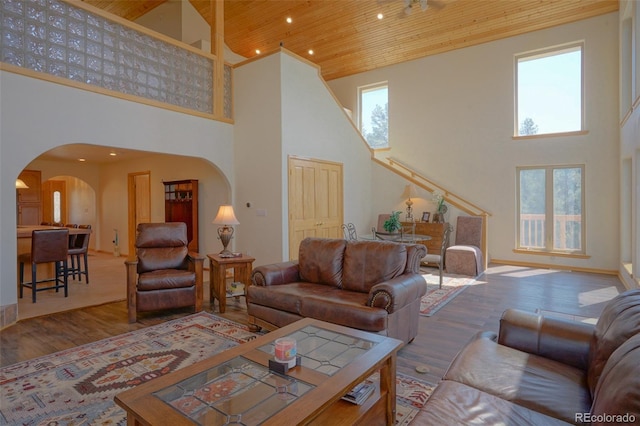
(163, 274)
(373, 286)
(545, 370)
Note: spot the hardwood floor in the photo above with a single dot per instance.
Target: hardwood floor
(441, 336)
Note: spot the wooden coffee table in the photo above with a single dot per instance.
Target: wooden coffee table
(236, 385)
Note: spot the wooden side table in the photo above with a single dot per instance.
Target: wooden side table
(242, 267)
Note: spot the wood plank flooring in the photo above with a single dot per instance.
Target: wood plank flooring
(441, 336)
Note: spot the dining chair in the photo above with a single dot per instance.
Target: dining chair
(465, 256)
(47, 246)
(79, 254)
(439, 258)
(349, 230)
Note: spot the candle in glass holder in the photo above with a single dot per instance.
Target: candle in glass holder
(286, 351)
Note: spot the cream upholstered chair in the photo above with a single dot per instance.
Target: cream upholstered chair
(465, 256)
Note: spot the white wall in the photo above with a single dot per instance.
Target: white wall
(283, 108)
(316, 126)
(629, 18)
(37, 116)
(451, 119)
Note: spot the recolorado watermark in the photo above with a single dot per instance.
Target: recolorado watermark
(605, 418)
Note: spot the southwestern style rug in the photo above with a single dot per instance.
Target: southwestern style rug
(436, 298)
(77, 386)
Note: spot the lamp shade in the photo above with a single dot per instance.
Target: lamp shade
(225, 216)
(410, 191)
(20, 184)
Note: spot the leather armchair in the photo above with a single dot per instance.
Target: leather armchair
(163, 274)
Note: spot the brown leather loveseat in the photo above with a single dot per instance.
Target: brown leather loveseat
(543, 371)
(369, 285)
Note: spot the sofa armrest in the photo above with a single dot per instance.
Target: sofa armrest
(554, 338)
(397, 293)
(276, 273)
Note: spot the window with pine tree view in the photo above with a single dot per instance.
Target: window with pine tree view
(550, 206)
(549, 91)
(374, 114)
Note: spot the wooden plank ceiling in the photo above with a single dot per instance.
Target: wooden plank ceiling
(347, 37)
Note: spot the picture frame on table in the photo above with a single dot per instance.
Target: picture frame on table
(426, 216)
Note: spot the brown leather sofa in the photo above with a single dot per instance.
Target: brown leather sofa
(369, 285)
(543, 371)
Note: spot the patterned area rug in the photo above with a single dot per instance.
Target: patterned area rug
(77, 386)
(436, 298)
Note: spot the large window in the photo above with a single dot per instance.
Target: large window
(550, 208)
(549, 91)
(374, 114)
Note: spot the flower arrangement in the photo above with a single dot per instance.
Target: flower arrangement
(438, 198)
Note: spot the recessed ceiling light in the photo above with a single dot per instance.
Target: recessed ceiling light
(257, 51)
(289, 20)
(380, 16)
(310, 51)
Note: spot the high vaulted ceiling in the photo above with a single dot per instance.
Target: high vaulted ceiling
(347, 37)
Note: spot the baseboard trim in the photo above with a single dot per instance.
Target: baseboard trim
(552, 266)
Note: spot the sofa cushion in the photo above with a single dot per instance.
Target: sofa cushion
(620, 319)
(532, 381)
(618, 390)
(320, 261)
(454, 403)
(367, 263)
(283, 297)
(344, 307)
(321, 302)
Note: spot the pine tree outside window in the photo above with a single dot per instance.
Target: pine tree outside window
(549, 91)
(374, 114)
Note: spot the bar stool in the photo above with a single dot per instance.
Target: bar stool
(79, 251)
(47, 246)
(72, 237)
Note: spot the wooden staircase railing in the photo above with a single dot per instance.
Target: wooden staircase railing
(404, 170)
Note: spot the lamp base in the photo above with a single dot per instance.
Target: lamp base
(227, 253)
(225, 233)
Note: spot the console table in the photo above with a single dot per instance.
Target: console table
(242, 267)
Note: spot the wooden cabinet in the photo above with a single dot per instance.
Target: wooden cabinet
(434, 230)
(29, 200)
(181, 205)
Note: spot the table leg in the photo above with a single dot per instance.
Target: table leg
(388, 383)
(221, 288)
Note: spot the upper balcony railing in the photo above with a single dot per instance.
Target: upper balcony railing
(71, 42)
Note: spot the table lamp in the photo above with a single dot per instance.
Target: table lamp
(410, 192)
(226, 218)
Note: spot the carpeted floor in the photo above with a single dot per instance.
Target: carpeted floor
(436, 297)
(77, 386)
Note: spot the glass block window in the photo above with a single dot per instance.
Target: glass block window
(228, 84)
(56, 38)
